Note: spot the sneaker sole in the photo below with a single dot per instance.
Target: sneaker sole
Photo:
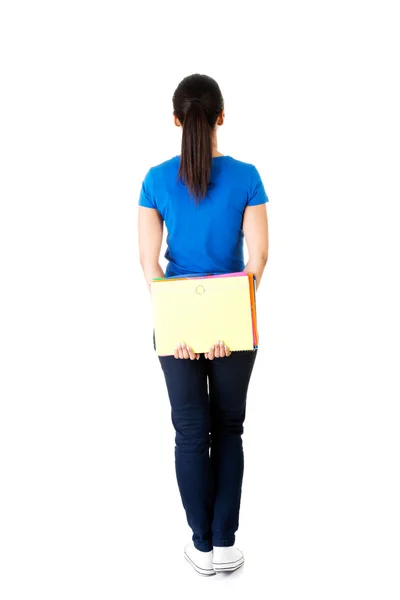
(199, 570)
(232, 566)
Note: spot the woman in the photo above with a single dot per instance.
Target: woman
(209, 203)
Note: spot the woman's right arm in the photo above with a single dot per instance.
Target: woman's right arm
(255, 228)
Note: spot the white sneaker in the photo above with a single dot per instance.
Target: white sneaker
(227, 558)
(202, 562)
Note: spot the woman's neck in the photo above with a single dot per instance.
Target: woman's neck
(214, 148)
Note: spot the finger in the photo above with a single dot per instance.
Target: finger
(176, 352)
(211, 353)
(180, 350)
(197, 356)
(216, 351)
(206, 355)
(221, 349)
(192, 355)
(227, 351)
(184, 350)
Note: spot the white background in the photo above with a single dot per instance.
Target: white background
(89, 502)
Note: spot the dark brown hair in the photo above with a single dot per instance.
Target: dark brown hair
(197, 102)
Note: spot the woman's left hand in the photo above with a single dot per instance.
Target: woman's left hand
(184, 351)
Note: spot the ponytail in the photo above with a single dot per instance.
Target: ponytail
(196, 151)
(197, 103)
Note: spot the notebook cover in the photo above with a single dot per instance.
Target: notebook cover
(220, 307)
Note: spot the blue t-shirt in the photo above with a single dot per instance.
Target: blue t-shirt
(206, 238)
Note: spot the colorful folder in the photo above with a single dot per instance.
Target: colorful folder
(199, 310)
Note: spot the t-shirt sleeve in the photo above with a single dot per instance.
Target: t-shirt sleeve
(257, 193)
(146, 196)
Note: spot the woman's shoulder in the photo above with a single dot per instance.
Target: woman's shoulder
(245, 165)
(157, 171)
(165, 164)
(242, 170)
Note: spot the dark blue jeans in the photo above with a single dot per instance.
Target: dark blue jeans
(208, 406)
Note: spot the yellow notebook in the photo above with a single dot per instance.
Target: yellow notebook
(200, 311)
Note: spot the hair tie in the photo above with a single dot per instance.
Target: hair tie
(194, 99)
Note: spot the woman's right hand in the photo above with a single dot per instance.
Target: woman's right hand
(219, 350)
(184, 351)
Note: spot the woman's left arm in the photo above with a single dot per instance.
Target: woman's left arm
(150, 240)
(150, 225)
